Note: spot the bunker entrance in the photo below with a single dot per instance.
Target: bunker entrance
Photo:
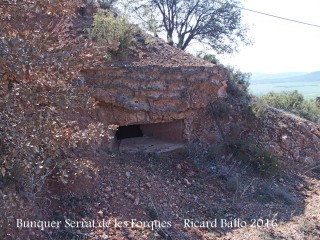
(130, 131)
(154, 137)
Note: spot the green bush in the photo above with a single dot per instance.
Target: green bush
(293, 102)
(258, 106)
(285, 100)
(113, 30)
(208, 57)
(266, 163)
(238, 82)
(310, 111)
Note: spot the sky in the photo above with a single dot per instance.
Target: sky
(278, 45)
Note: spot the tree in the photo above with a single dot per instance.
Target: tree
(215, 23)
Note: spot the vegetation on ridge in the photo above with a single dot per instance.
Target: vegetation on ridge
(295, 103)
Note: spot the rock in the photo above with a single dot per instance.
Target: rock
(104, 236)
(300, 187)
(191, 174)
(308, 187)
(99, 232)
(309, 160)
(187, 182)
(179, 166)
(296, 153)
(217, 234)
(100, 213)
(289, 136)
(129, 195)
(130, 236)
(128, 174)
(136, 201)
(108, 189)
(148, 185)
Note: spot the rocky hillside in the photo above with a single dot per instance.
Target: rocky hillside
(233, 165)
(295, 139)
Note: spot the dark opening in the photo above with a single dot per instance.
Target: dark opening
(150, 137)
(130, 131)
(167, 131)
(81, 11)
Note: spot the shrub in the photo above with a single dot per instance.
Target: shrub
(266, 163)
(246, 151)
(310, 111)
(208, 57)
(285, 100)
(266, 193)
(258, 106)
(113, 30)
(238, 82)
(295, 103)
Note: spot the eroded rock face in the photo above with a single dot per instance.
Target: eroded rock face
(130, 95)
(291, 137)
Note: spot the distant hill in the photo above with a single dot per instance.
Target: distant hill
(308, 84)
(262, 78)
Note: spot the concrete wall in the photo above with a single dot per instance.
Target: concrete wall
(171, 131)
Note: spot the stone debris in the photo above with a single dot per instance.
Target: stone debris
(136, 201)
(100, 213)
(129, 196)
(187, 182)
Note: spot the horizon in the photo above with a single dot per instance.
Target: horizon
(296, 72)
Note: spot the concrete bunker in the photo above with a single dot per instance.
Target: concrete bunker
(157, 107)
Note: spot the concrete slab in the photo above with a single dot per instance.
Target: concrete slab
(148, 144)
